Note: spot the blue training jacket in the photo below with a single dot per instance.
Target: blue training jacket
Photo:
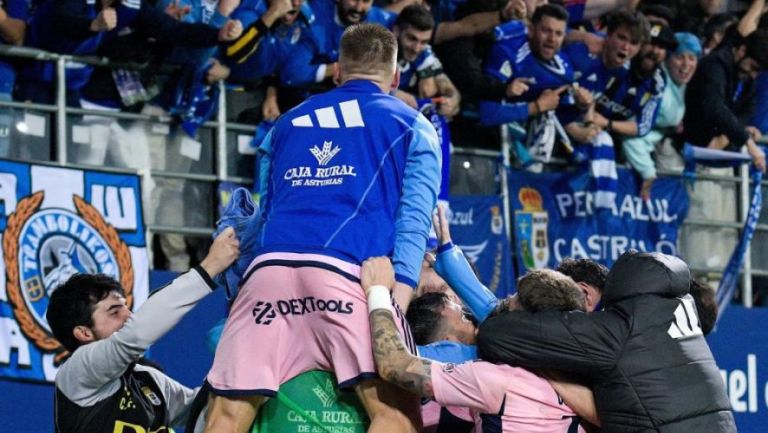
(351, 173)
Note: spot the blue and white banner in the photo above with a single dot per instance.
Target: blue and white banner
(55, 222)
(554, 217)
(738, 344)
(477, 227)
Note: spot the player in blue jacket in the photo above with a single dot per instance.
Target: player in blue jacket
(347, 174)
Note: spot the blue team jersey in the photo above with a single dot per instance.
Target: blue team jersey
(511, 58)
(426, 65)
(273, 55)
(592, 74)
(332, 28)
(18, 9)
(638, 98)
(620, 94)
(306, 62)
(351, 173)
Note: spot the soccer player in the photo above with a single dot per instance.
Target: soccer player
(645, 352)
(347, 175)
(101, 388)
(511, 398)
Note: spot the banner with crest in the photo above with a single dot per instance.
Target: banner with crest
(55, 222)
(554, 216)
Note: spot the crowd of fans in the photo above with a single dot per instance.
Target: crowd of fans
(593, 81)
(583, 68)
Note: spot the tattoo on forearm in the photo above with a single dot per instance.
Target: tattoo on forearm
(394, 363)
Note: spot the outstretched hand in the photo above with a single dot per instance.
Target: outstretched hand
(224, 251)
(442, 228)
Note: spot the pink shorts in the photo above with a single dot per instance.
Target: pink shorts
(296, 313)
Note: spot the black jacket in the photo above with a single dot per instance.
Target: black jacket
(710, 107)
(650, 366)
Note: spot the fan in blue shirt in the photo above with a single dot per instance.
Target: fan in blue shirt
(532, 64)
(311, 62)
(629, 107)
(604, 74)
(421, 73)
(12, 29)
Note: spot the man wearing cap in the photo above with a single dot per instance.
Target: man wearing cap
(678, 69)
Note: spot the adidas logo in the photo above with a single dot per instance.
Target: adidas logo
(325, 154)
(326, 117)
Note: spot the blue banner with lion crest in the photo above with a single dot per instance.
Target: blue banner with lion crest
(55, 222)
(554, 216)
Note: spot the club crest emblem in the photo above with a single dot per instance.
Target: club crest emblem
(43, 248)
(531, 229)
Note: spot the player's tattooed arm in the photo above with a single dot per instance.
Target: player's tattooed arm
(395, 364)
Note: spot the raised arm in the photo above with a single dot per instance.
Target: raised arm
(99, 363)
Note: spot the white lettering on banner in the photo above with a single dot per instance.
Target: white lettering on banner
(603, 247)
(740, 384)
(118, 205)
(580, 204)
(8, 192)
(11, 338)
(460, 218)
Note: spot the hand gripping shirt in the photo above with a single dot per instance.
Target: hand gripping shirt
(509, 399)
(351, 173)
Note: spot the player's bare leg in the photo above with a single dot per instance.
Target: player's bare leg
(232, 414)
(390, 408)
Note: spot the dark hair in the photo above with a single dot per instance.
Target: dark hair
(706, 305)
(425, 317)
(416, 16)
(661, 11)
(584, 271)
(73, 302)
(635, 22)
(718, 23)
(549, 10)
(757, 47)
(545, 289)
(367, 48)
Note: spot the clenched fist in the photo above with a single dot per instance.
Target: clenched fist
(231, 30)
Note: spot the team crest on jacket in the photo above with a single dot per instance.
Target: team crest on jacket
(43, 248)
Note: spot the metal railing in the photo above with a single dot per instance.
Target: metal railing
(221, 172)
